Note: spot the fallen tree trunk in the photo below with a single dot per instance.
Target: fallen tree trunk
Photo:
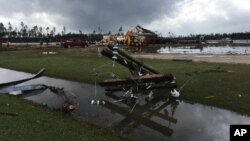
(9, 114)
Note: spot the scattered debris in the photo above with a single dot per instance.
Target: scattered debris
(182, 60)
(97, 102)
(217, 70)
(49, 52)
(22, 90)
(211, 96)
(143, 78)
(68, 106)
(9, 88)
(175, 93)
(9, 114)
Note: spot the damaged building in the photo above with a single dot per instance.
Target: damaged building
(139, 36)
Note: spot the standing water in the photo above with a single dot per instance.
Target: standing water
(222, 50)
(158, 119)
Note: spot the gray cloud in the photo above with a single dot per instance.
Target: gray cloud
(108, 14)
(88, 15)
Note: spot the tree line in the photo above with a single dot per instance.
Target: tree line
(219, 36)
(36, 34)
(197, 38)
(26, 32)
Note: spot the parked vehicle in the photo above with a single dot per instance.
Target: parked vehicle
(75, 43)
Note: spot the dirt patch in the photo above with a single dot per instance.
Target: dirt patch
(237, 59)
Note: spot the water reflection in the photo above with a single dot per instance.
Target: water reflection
(157, 119)
(143, 114)
(223, 50)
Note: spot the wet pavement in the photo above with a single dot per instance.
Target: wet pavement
(158, 119)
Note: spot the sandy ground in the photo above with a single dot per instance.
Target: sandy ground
(240, 59)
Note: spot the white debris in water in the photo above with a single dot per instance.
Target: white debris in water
(175, 93)
(97, 102)
(92, 101)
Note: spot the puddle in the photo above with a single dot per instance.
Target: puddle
(221, 50)
(155, 120)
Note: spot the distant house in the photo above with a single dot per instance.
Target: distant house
(139, 35)
(150, 36)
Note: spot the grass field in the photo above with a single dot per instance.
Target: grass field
(225, 90)
(229, 90)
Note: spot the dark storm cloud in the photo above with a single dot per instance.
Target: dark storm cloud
(108, 14)
(181, 17)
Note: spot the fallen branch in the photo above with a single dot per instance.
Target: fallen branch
(9, 114)
(208, 71)
(68, 106)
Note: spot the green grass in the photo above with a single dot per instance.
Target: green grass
(43, 124)
(67, 64)
(225, 90)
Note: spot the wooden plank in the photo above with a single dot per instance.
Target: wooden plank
(156, 78)
(143, 86)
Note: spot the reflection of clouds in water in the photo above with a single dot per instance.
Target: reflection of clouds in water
(198, 122)
(7, 75)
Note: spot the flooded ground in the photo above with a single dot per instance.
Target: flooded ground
(158, 119)
(221, 50)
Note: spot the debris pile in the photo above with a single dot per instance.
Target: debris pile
(68, 106)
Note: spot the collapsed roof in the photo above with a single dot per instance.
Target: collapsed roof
(141, 31)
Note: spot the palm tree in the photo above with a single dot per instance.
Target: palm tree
(64, 30)
(40, 32)
(14, 33)
(2, 33)
(53, 31)
(35, 30)
(120, 30)
(47, 29)
(25, 31)
(9, 29)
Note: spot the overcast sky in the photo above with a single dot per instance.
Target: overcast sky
(181, 17)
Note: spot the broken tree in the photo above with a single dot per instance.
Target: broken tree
(143, 76)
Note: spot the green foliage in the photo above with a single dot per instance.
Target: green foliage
(2, 30)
